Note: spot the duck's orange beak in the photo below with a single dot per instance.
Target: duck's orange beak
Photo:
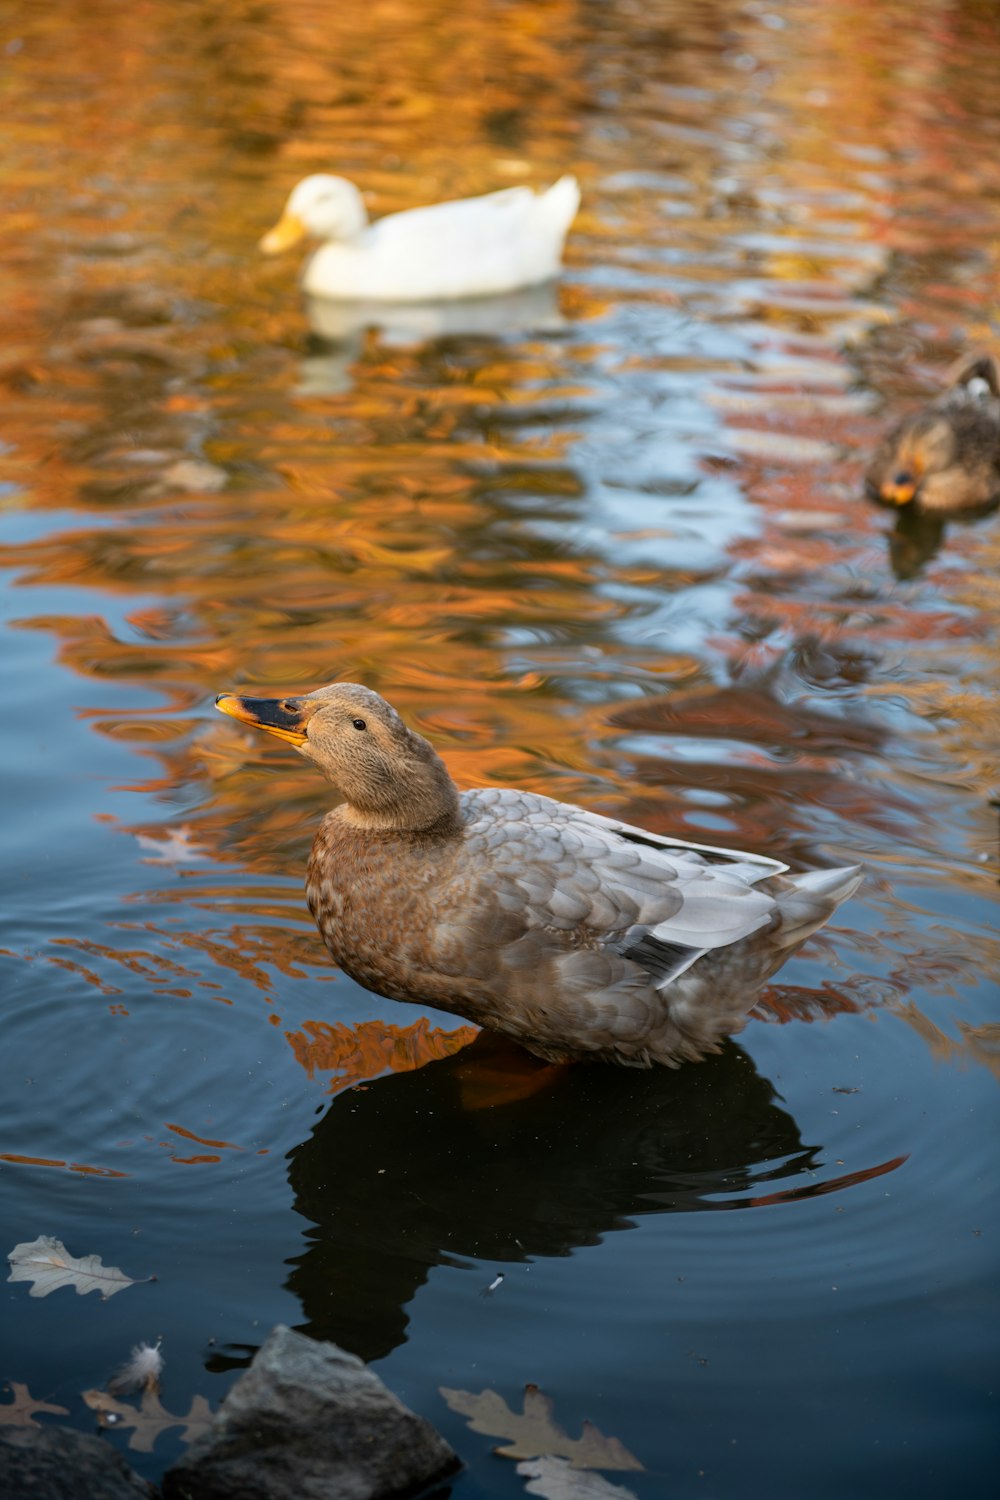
(898, 494)
(286, 233)
(284, 717)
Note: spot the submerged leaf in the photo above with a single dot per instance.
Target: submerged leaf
(555, 1479)
(48, 1264)
(534, 1433)
(21, 1411)
(149, 1418)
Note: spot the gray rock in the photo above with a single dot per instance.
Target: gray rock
(56, 1463)
(309, 1422)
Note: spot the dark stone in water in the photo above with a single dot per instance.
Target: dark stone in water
(56, 1463)
(309, 1420)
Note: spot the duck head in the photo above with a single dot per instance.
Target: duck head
(391, 778)
(923, 448)
(945, 457)
(330, 208)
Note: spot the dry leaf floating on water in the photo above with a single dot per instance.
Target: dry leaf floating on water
(21, 1411)
(196, 476)
(533, 1432)
(555, 1479)
(176, 847)
(149, 1418)
(48, 1265)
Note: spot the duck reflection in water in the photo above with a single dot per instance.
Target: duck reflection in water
(913, 541)
(495, 1155)
(338, 329)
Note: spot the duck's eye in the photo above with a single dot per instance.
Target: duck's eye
(359, 723)
(903, 477)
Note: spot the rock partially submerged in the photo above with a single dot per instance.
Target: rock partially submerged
(306, 1422)
(56, 1463)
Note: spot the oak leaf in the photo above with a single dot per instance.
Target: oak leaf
(48, 1264)
(21, 1411)
(534, 1434)
(149, 1418)
(555, 1479)
(176, 847)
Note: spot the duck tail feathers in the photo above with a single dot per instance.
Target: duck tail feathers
(982, 367)
(807, 901)
(562, 200)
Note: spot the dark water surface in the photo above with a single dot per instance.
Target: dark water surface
(608, 545)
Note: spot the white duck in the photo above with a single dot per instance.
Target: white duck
(472, 247)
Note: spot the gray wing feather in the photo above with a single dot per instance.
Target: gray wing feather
(662, 960)
(660, 901)
(756, 866)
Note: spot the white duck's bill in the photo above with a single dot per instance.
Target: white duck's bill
(288, 231)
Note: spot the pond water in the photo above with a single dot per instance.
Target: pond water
(607, 543)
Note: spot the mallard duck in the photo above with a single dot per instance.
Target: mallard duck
(473, 247)
(944, 460)
(574, 934)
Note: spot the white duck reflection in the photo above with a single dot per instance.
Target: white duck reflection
(338, 328)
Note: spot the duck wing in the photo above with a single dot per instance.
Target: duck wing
(580, 930)
(660, 901)
(467, 248)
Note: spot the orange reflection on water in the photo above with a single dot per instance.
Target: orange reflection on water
(73, 1166)
(189, 1135)
(784, 1002)
(834, 1185)
(372, 1048)
(976, 1044)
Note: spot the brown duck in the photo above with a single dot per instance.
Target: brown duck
(574, 934)
(944, 460)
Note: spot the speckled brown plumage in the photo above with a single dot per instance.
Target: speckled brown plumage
(944, 460)
(574, 934)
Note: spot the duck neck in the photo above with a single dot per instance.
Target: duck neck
(419, 798)
(353, 217)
